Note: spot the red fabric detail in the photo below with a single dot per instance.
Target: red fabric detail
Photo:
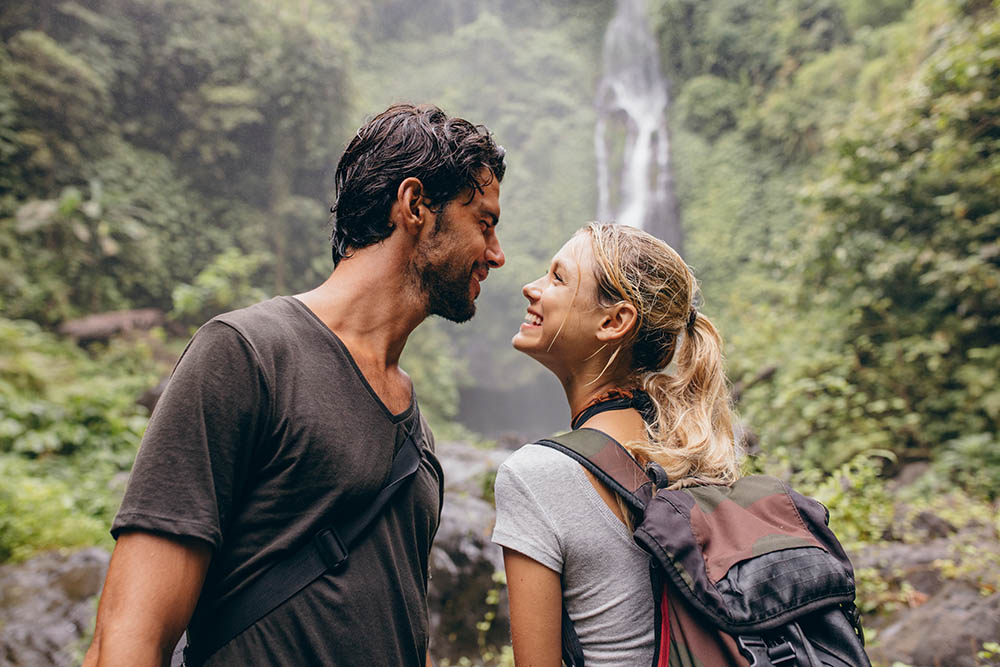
(664, 659)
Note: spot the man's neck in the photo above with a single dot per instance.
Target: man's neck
(372, 308)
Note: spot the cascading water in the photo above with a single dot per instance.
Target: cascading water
(632, 102)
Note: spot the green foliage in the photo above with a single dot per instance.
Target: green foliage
(56, 101)
(874, 13)
(436, 374)
(69, 425)
(860, 507)
(970, 462)
(745, 41)
(906, 244)
(122, 240)
(709, 106)
(38, 513)
(223, 285)
(181, 115)
(794, 119)
(858, 206)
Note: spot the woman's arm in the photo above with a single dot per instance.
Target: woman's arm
(535, 611)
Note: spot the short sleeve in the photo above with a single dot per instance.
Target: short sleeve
(195, 454)
(522, 522)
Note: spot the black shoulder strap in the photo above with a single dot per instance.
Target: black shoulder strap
(327, 551)
(611, 463)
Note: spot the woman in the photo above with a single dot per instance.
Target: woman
(615, 309)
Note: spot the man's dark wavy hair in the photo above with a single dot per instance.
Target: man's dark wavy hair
(447, 155)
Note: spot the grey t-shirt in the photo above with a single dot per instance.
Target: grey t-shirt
(268, 432)
(548, 510)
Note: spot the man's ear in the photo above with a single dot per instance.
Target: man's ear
(410, 212)
(617, 322)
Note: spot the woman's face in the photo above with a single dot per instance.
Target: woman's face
(562, 313)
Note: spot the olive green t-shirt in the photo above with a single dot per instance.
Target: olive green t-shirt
(266, 433)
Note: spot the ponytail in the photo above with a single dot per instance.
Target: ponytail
(691, 435)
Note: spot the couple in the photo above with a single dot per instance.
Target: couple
(289, 417)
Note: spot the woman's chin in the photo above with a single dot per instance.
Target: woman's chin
(524, 342)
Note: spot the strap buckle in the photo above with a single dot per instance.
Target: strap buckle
(783, 653)
(757, 651)
(656, 473)
(331, 549)
(753, 648)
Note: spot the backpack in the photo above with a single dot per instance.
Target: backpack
(747, 575)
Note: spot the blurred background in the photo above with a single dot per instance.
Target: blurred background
(829, 168)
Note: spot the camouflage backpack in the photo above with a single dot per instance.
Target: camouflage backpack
(747, 575)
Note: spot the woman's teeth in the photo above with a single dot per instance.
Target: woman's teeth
(533, 319)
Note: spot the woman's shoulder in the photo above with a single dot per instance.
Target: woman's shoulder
(532, 461)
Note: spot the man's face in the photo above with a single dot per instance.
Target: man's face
(459, 252)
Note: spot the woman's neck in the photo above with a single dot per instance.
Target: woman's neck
(580, 394)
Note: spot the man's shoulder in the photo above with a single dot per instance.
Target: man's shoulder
(259, 317)
(279, 320)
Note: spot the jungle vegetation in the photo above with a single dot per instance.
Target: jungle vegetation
(838, 174)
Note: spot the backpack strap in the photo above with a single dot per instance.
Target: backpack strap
(327, 551)
(611, 463)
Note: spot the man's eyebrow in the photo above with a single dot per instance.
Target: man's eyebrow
(483, 211)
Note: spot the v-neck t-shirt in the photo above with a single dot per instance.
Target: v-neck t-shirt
(266, 433)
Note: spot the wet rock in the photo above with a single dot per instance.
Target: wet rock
(948, 629)
(47, 605)
(909, 474)
(932, 526)
(468, 607)
(101, 327)
(940, 620)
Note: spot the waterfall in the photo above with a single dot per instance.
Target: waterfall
(632, 102)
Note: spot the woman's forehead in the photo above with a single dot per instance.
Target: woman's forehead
(575, 252)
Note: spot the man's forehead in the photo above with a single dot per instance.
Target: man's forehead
(486, 200)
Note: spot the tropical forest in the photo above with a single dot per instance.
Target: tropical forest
(830, 169)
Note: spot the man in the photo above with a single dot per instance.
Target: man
(283, 418)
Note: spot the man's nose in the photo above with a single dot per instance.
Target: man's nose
(494, 254)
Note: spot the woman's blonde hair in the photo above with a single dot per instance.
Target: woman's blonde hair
(692, 434)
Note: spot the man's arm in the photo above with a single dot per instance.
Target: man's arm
(150, 592)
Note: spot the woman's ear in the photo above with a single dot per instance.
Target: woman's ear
(409, 212)
(617, 322)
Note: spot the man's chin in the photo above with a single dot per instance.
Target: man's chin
(456, 315)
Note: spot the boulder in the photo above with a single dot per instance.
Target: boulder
(47, 607)
(468, 604)
(939, 620)
(104, 326)
(948, 629)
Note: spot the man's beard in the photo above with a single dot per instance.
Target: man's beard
(443, 280)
